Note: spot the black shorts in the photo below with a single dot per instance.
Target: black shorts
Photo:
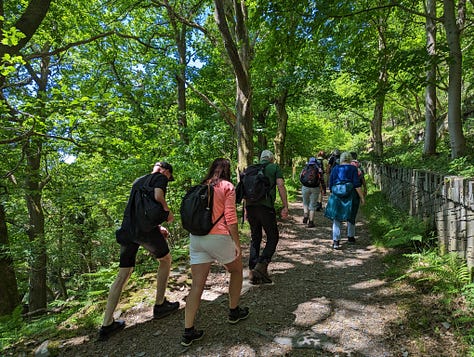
(152, 241)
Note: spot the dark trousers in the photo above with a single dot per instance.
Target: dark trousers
(262, 217)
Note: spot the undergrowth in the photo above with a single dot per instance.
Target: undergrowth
(83, 309)
(415, 259)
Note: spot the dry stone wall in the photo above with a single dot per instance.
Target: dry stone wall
(446, 203)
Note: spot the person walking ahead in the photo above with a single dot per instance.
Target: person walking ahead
(154, 241)
(222, 244)
(262, 215)
(346, 196)
(310, 179)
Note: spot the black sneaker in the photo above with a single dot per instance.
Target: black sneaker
(311, 224)
(319, 206)
(191, 336)
(335, 244)
(106, 331)
(238, 314)
(351, 239)
(305, 220)
(166, 308)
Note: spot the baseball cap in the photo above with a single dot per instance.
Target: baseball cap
(168, 167)
(266, 155)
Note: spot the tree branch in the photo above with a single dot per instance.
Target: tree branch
(227, 114)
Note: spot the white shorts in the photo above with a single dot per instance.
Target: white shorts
(211, 247)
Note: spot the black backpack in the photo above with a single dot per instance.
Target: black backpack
(143, 212)
(196, 210)
(147, 212)
(311, 175)
(253, 185)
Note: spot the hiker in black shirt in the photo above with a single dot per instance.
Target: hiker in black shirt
(154, 241)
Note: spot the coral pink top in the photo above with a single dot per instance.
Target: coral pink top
(224, 201)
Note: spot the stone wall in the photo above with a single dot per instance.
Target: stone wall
(446, 203)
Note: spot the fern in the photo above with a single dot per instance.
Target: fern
(447, 273)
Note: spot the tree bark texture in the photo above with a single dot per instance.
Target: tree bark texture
(456, 135)
(239, 56)
(28, 23)
(376, 124)
(282, 117)
(179, 31)
(9, 297)
(429, 147)
(37, 301)
(34, 184)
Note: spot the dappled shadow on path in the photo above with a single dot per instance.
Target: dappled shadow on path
(322, 303)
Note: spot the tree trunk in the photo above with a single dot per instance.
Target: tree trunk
(282, 117)
(261, 118)
(9, 297)
(430, 95)
(181, 84)
(376, 124)
(180, 30)
(37, 301)
(456, 135)
(240, 59)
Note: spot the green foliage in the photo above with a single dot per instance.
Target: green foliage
(392, 228)
(447, 273)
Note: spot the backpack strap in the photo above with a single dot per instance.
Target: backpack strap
(209, 203)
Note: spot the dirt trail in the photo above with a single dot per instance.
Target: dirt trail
(322, 303)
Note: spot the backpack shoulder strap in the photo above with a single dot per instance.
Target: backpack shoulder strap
(209, 202)
(146, 185)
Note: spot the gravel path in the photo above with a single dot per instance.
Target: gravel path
(322, 303)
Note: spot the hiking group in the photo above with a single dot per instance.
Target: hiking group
(208, 211)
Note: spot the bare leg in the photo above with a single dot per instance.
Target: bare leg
(235, 285)
(114, 294)
(199, 273)
(162, 278)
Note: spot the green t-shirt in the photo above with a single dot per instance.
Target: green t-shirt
(273, 172)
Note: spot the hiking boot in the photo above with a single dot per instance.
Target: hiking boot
(106, 331)
(305, 220)
(190, 336)
(335, 244)
(351, 239)
(253, 279)
(166, 308)
(237, 314)
(260, 273)
(311, 224)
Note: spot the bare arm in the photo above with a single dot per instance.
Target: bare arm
(361, 195)
(283, 195)
(234, 233)
(160, 198)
